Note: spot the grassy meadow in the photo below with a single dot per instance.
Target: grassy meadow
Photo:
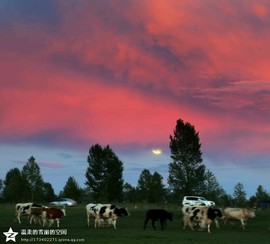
(130, 230)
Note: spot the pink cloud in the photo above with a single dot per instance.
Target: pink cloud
(125, 75)
(51, 165)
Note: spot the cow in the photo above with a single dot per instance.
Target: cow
(24, 209)
(157, 214)
(241, 214)
(36, 215)
(107, 212)
(202, 215)
(52, 214)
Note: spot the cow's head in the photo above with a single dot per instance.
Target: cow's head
(252, 213)
(121, 212)
(219, 214)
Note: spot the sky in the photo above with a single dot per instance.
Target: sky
(121, 73)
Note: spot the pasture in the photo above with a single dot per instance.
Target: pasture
(130, 229)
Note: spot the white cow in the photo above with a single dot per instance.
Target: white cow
(24, 209)
(241, 214)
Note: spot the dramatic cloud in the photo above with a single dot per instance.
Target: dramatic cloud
(77, 73)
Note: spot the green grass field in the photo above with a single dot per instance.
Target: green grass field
(130, 230)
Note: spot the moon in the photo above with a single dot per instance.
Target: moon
(156, 151)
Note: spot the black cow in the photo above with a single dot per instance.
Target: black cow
(157, 214)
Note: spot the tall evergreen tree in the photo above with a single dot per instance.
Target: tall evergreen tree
(144, 185)
(239, 195)
(150, 187)
(31, 172)
(48, 192)
(157, 188)
(186, 171)
(262, 194)
(72, 189)
(104, 175)
(95, 173)
(130, 193)
(114, 175)
(213, 191)
(16, 188)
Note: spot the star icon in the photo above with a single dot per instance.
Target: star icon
(10, 235)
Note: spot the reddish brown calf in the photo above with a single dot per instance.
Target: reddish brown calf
(52, 214)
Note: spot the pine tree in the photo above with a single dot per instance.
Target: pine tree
(72, 189)
(31, 172)
(144, 185)
(213, 191)
(239, 195)
(157, 188)
(115, 182)
(130, 193)
(104, 175)
(186, 171)
(150, 187)
(16, 188)
(262, 194)
(48, 192)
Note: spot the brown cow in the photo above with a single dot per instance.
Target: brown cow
(52, 214)
(36, 214)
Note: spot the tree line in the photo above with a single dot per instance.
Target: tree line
(188, 175)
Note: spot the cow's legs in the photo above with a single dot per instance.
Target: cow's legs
(187, 221)
(57, 222)
(35, 218)
(153, 224)
(145, 223)
(31, 219)
(243, 224)
(208, 222)
(208, 227)
(87, 218)
(161, 224)
(19, 219)
(44, 221)
(217, 223)
(96, 222)
(114, 223)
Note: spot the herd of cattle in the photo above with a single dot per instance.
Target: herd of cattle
(107, 214)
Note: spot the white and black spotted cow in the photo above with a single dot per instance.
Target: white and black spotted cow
(202, 215)
(108, 212)
(24, 209)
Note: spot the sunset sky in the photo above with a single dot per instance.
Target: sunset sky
(77, 73)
